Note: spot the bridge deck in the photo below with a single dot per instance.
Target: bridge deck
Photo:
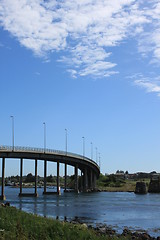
(88, 167)
(47, 154)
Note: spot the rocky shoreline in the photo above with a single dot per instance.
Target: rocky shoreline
(105, 230)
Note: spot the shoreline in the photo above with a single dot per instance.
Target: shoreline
(71, 190)
(99, 229)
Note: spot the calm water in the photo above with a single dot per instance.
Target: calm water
(116, 209)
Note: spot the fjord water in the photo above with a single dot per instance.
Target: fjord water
(111, 208)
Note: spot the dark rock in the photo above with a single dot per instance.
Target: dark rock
(141, 188)
(126, 232)
(7, 204)
(102, 230)
(105, 230)
(74, 222)
(136, 235)
(98, 190)
(90, 227)
(141, 236)
(110, 231)
(145, 236)
(154, 185)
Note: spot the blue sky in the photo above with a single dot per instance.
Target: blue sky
(89, 66)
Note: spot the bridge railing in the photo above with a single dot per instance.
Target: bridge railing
(46, 151)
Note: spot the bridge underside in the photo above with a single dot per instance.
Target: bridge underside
(85, 182)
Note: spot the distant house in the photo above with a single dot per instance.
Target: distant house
(120, 174)
(155, 176)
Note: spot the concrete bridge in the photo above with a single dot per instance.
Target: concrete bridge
(89, 169)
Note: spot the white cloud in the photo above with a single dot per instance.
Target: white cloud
(83, 30)
(149, 41)
(72, 72)
(32, 25)
(151, 84)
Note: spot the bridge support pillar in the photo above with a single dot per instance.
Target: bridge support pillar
(94, 181)
(81, 181)
(85, 180)
(76, 178)
(65, 177)
(3, 180)
(58, 187)
(45, 175)
(91, 180)
(21, 174)
(36, 194)
(21, 194)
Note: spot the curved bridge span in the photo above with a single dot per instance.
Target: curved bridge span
(89, 169)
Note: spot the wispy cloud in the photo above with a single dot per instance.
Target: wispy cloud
(1, 45)
(149, 39)
(150, 83)
(84, 31)
(37, 73)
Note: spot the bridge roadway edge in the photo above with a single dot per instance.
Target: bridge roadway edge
(89, 169)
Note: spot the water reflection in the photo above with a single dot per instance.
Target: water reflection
(20, 203)
(35, 206)
(44, 209)
(116, 209)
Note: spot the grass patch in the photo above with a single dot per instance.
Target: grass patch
(113, 183)
(18, 225)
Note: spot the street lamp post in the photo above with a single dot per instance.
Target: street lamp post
(12, 117)
(96, 155)
(65, 166)
(91, 150)
(99, 161)
(44, 136)
(66, 139)
(83, 146)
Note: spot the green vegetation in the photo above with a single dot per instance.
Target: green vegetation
(120, 183)
(18, 225)
(29, 180)
(110, 181)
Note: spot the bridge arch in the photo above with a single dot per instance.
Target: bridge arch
(89, 169)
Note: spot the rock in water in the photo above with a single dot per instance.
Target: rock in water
(141, 188)
(154, 185)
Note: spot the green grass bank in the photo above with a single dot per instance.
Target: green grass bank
(18, 225)
(113, 183)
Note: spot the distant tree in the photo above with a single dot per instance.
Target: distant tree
(141, 175)
(50, 178)
(112, 178)
(30, 178)
(119, 171)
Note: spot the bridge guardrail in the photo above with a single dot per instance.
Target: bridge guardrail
(41, 150)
